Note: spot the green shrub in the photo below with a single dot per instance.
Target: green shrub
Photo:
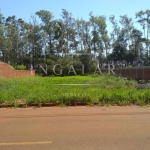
(20, 67)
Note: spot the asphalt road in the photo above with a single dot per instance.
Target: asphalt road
(75, 128)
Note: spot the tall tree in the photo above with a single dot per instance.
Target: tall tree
(69, 31)
(144, 20)
(1, 36)
(102, 28)
(47, 26)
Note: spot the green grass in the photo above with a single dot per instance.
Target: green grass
(100, 90)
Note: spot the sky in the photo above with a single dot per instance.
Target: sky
(79, 8)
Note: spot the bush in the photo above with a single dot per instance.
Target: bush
(20, 67)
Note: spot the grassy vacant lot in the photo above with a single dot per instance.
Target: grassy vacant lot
(100, 90)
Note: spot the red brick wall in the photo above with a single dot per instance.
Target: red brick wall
(135, 73)
(8, 71)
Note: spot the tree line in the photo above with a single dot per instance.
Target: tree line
(69, 41)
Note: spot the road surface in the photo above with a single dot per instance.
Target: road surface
(75, 128)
